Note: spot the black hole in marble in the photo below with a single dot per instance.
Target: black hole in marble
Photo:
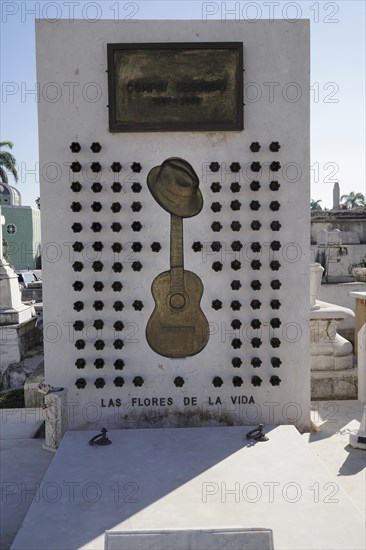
(75, 147)
(274, 146)
(75, 206)
(235, 187)
(78, 246)
(96, 187)
(99, 344)
(275, 342)
(116, 227)
(80, 383)
(275, 380)
(235, 285)
(274, 265)
(98, 286)
(275, 166)
(256, 285)
(118, 344)
(117, 247)
(256, 342)
(256, 166)
(78, 325)
(235, 226)
(214, 166)
(179, 382)
(136, 187)
(77, 227)
(76, 186)
(138, 381)
(96, 147)
(116, 207)
(116, 187)
(99, 383)
(136, 226)
(254, 146)
(216, 187)
(217, 266)
(274, 185)
(116, 167)
(80, 363)
(136, 167)
(216, 207)
(98, 246)
(75, 166)
(96, 227)
(96, 167)
(99, 363)
(217, 382)
(117, 286)
(237, 381)
(235, 167)
(119, 364)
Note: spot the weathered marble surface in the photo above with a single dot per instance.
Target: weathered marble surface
(191, 478)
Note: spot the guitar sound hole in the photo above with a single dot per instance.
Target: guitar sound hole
(177, 301)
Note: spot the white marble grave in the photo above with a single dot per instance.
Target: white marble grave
(72, 63)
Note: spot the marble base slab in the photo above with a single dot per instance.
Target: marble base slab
(213, 539)
(189, 479)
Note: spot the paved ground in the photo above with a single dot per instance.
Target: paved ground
(23, 462)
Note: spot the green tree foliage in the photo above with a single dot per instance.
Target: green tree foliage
(7, 162)
(353, 200)
(314, 205)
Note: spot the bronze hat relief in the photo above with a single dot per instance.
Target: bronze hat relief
(175, 186)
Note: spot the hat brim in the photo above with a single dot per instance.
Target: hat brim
(187, 208)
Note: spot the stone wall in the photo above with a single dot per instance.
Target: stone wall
(344, 220)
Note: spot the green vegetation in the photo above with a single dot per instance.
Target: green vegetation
(353, 200)
(314, 205)
(7, 162)
(13, 399)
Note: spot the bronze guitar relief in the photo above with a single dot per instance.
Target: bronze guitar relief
(177, 327)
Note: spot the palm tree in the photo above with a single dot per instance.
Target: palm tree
(314, 205)
(353, 200)
(7, 162)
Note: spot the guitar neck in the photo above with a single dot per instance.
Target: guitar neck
(176, 254)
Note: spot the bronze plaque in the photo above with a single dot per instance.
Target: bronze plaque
(175, 87)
